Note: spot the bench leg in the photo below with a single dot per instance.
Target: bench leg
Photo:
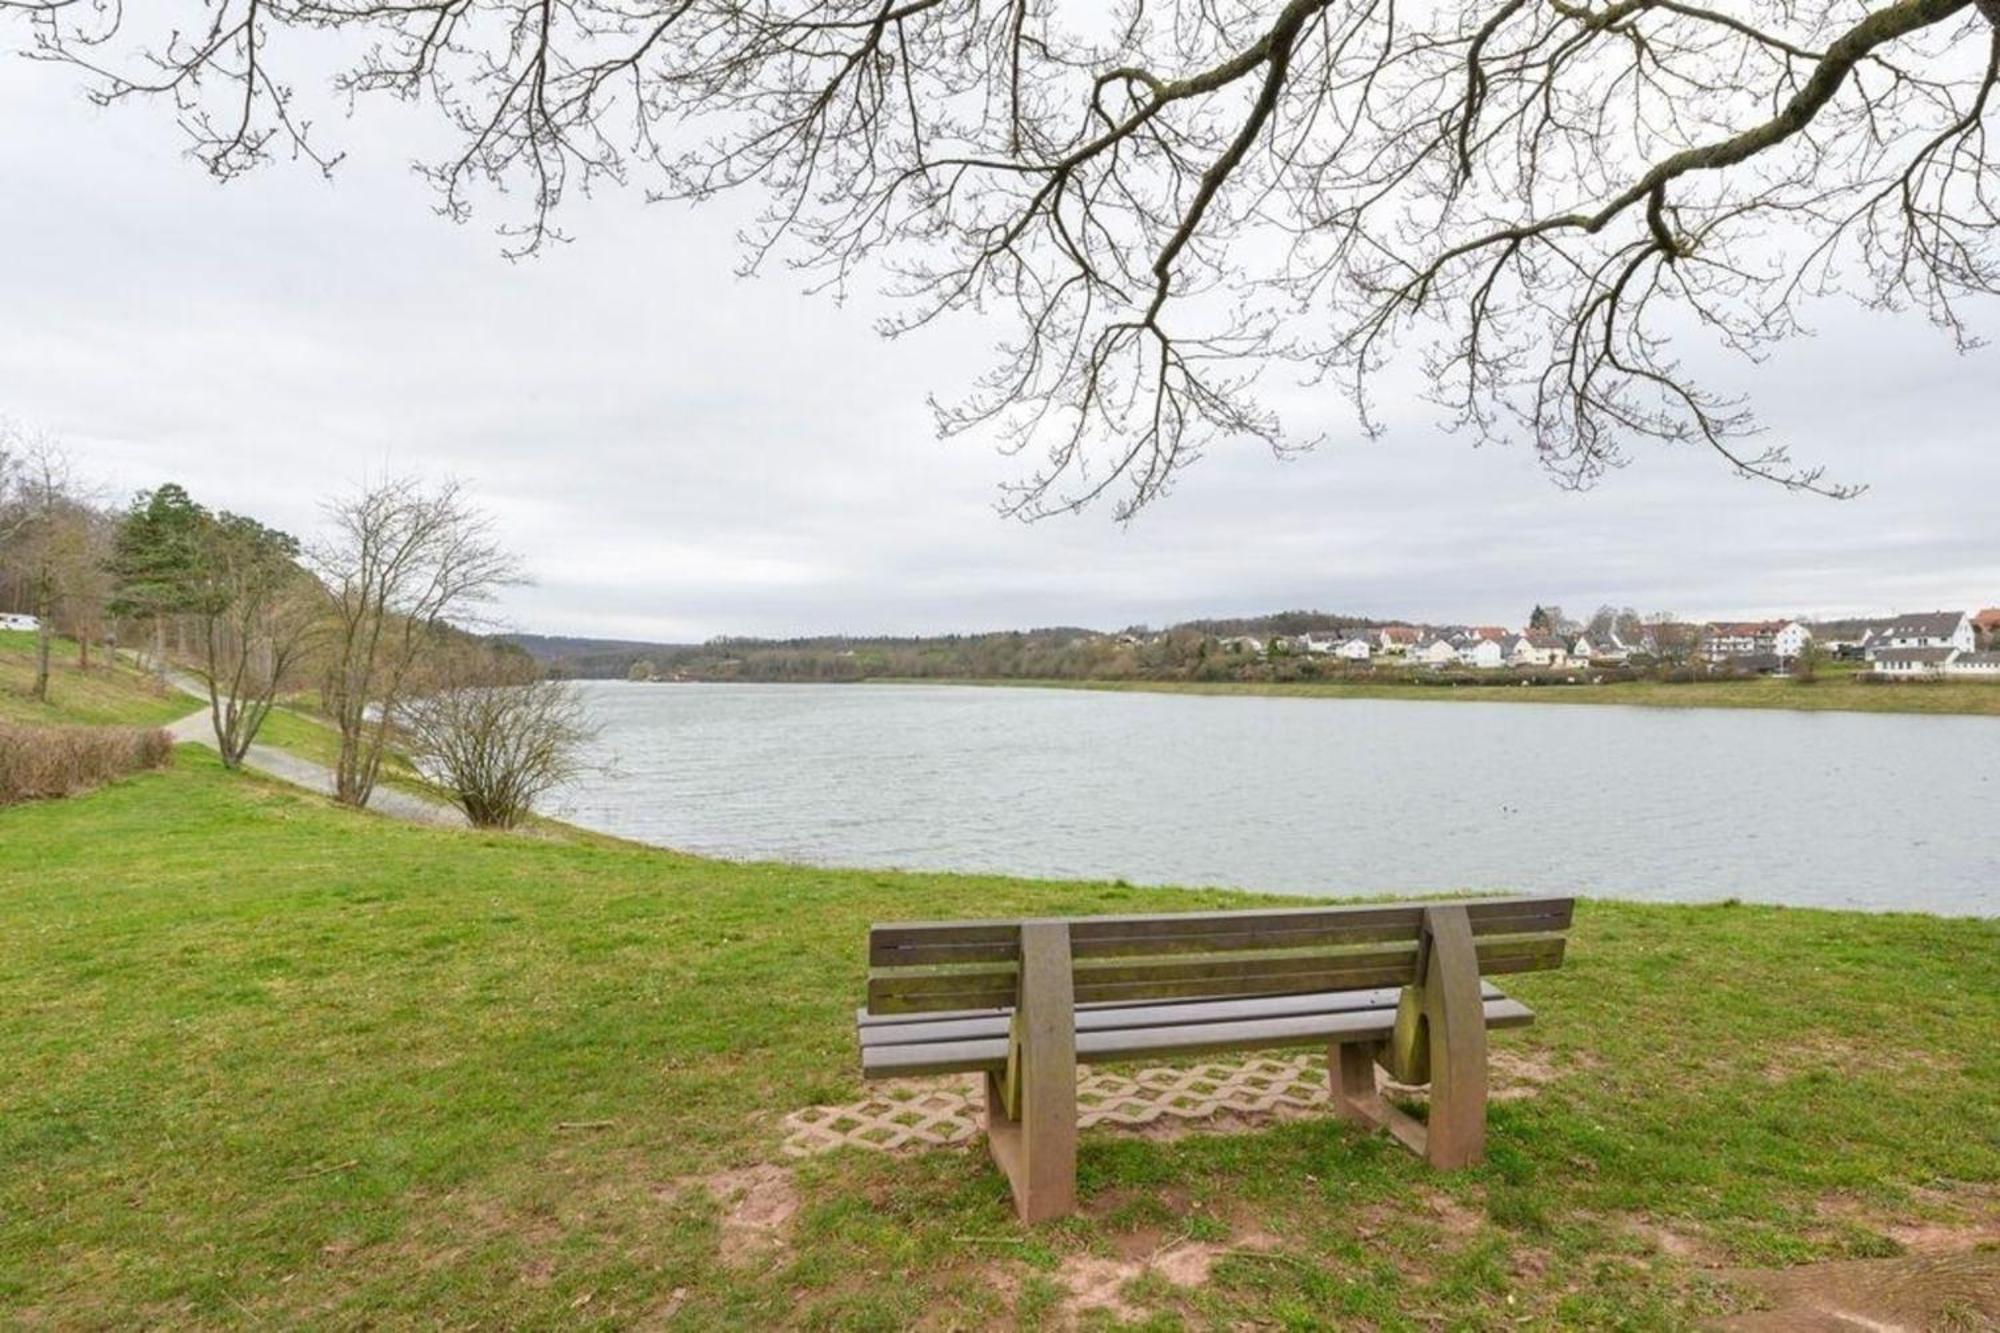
(1037, 1152)
(1351, 1071)
(1456, 1016)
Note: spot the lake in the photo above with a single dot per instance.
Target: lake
(1320, 796)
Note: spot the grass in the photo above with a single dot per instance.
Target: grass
(1834, 691)
(274, 1063)
(110, 693)
(117, 693)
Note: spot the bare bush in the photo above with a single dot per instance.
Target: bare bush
(496, 734)
(41, 762)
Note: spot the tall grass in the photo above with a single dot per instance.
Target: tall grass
(40, 762)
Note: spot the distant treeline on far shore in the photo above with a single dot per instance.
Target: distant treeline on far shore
(1292, 645)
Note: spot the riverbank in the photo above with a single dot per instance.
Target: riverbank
(278, 1063)
(1833, 692)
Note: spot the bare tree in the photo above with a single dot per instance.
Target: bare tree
(258, 614)
(1546, 199)
(45, 539)
(496, 733)
(404, 559)
(85, 583)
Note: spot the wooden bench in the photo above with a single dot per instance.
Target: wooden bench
(1024, 1002)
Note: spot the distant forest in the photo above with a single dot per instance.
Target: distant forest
(1186, 651)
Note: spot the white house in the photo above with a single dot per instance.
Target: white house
(1791, 641)
(15, 620)
(1606, 647)
(1434, 653)
(1356, 649)
(1310, 642)
(1482, 653)
(1741, 638)
(1930, 629)
(1908, 663)
(1242, 643)
(1985, 666)
(1536, 649)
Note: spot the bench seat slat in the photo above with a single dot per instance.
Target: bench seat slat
(1102, 1047)
(1106, 1018)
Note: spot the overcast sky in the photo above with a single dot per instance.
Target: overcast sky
(679, 453)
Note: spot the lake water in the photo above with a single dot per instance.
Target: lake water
(1312, 795)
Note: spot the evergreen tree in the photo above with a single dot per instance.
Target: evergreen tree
(156, 559)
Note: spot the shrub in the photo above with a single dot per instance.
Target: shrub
(496, 735)
(40, 762)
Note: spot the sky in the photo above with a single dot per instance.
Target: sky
(676, 452)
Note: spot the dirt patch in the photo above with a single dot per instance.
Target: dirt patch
(1663, 1239)
(1097, 1282)
(758, 1205)
(1517, 1072)
(1452, 1217)
(1824, 1053)
(1932, 1221)
(1955, 1290)
(1093, 1283)
(663, 1314)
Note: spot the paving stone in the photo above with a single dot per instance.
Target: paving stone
(921, 1114)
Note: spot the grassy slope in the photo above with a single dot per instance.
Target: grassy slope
(272, 1062)
(1834, 691)
(118, 693)
(110, 692)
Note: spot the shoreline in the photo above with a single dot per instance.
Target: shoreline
(1838, 694)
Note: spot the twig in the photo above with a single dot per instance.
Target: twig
(349, 1164)
(585, 1124)
(1293, 1260)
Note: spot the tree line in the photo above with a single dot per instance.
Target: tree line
(366, 621)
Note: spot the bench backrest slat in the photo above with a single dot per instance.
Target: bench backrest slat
(913, 943)
(934, 967)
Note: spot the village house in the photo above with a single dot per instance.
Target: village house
(1984, 666)
(1929, 629)
(1740, 638)
(1791, 641)
(1538, 649)
(1482, 653)
(1357, 649)
(1910, 663)
(1434, 653)
(1606, 648)
(1398, 639)
(1847, 638)
(1241, 643)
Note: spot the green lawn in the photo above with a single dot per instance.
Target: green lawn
(109, 693)
(274, 1063)
(1836, 690)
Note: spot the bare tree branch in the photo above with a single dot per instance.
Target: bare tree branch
(1542, 199)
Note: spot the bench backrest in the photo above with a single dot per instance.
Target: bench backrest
(940, 966)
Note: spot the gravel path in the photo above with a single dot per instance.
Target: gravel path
(287, 767)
